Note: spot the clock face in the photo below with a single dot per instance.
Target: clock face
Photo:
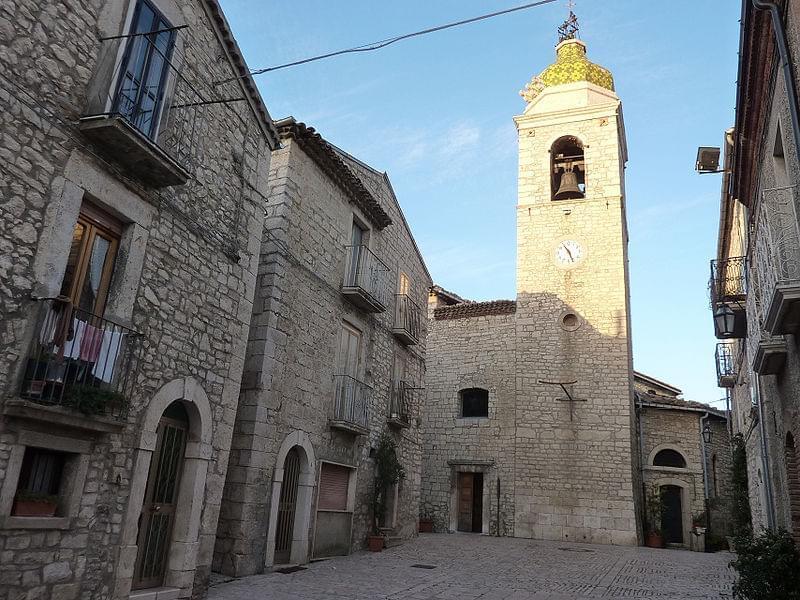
(569, 252)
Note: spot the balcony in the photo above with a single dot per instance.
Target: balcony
(407, 320)
(728, 288)
(403, 398)
(143, 112)
(80, 364)
(366, 283)
(766, 352)
(351, 405)
(726, 369)
(775, 259)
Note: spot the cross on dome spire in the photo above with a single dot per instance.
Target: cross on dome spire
(568, 30)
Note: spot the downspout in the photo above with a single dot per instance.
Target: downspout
(786, 65)
(704, 456)
(642, 504)
(762, 430)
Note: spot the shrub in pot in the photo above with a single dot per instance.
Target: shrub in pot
(34, 504)
(91, 400)
(654, 505)
(388, 471)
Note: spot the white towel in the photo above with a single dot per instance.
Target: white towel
(107, 359)
(72, 348)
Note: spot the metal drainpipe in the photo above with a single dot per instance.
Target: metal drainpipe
(704, 454)
(762, 429)
(786, 64)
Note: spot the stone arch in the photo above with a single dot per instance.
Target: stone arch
(655, 451)
(305, 496)
(191, 492)
(793, 484)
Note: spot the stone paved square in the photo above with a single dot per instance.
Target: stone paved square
(469, 567)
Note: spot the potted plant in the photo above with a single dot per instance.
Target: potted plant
(34, 504)
(425, 522)
(388, 471)
(91, 400)
(655, 508)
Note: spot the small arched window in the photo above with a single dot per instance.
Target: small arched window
(568, 169)
(474, 402)
(669, 458)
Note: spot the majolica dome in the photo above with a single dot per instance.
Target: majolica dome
(571, 66)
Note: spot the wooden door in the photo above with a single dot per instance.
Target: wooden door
(672, 517)
(465, 501)
(287, 507)
(477, 503)
(160, 502)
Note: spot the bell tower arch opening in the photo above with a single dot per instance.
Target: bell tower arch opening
(568, 169)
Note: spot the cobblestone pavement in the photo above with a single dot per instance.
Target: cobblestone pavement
(469, 567)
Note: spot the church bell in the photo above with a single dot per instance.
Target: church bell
(569, 190)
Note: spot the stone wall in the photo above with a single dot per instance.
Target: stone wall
(292, 357)
(176, 282)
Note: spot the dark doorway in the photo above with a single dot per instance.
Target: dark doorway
(160, 499)
(287, 506)
(470, 502)
(672, 517)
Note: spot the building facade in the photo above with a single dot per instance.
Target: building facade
(685, 457)
(335, 359)
(530, 426)
(754, 277)
(134, 156)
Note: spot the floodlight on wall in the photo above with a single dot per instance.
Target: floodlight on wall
(707, 160)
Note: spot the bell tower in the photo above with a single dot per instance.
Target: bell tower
(576, 475)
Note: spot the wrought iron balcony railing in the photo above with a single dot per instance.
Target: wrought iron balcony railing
(407, 319)
(728, 282)
(143, 107)
(351, 405)
(80, 361)
(366, 280)
(403, 398)
(726, 368)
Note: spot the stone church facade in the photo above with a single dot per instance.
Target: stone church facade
(530, 409)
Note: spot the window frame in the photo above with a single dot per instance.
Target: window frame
(351, 487)
(461, 394)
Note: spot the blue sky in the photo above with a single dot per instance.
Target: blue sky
(435, 113)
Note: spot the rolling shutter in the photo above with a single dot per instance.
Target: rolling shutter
(333, 486)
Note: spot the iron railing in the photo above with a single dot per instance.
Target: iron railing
(368, 275)
(142, 79)
(352, 401)
(403, 398)
(407, 318)
(726, 366)
(80, 361)
(728, 282)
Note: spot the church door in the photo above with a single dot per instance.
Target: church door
(672, 517)
(470, 502)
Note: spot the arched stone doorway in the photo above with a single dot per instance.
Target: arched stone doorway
(292, 496)
(672, 524)
(793, 484)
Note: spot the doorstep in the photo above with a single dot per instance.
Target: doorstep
(159, 593)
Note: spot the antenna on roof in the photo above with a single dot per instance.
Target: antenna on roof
(568, 30)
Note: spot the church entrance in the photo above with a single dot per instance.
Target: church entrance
(672, 517)
(470, 502)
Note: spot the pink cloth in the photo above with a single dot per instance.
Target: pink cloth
(90, 344)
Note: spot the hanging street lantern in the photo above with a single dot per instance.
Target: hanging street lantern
(724, 320)
(707, 433)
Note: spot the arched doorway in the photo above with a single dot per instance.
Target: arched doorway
(160, 500)
(672, 515)
(287, 507)
(793, 484)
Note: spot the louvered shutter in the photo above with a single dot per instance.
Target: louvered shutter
(333, 484)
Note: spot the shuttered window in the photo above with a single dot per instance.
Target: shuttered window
(333, 486)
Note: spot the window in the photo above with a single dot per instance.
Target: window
(87, 278)
(474, 402)
(355, 256)
(334, 487)
(349, 351)
(669, 458)
(39, 484)
(568, 169)
(143, 74)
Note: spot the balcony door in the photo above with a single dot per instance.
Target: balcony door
(348, 368)
(355, 258)
(401, 305)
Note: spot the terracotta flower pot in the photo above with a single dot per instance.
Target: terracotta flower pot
(654, 540)
(426, 525)
(375, 543)
(34, 508)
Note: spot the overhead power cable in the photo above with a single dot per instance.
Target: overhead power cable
(388, 41)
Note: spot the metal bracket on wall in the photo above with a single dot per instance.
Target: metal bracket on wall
(567, 387)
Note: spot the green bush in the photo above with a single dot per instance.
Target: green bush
(91, 400)
(740, 500)
(388, 471)
(768, 567)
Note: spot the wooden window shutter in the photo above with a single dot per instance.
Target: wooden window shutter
(333, 486)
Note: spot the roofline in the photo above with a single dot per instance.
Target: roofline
(710, 410)
(439, 290)
(325, 155)
(641, 375)
(234, 55)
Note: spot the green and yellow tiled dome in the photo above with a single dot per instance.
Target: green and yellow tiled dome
(571, 66)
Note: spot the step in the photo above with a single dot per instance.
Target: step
(394, 540)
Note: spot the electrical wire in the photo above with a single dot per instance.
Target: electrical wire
(388, 41)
